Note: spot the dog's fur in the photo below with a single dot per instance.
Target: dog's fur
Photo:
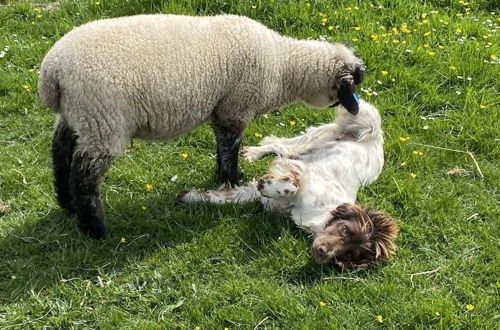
(316, 178)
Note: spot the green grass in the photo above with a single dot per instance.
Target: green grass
(215, 267)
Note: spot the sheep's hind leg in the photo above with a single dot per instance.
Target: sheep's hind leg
(63, 146)
(87, 169)
(228, 146)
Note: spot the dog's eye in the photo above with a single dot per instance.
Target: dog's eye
(344, 230)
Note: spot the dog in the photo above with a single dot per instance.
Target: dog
(315, 178)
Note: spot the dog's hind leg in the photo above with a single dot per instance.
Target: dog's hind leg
(237, 195)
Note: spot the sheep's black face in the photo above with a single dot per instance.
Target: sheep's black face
(346, 93)
(355, 237)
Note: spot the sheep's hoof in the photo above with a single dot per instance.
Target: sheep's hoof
(94, 231)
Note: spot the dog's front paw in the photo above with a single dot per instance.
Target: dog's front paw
(273, 187)
(250, 154)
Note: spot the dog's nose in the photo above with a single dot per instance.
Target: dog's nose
(320, 252)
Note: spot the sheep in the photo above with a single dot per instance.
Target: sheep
(160, 76)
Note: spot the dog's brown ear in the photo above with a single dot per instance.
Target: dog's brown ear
(384, 230)
(347, 95)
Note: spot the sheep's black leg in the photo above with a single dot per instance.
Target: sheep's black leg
(63, 146)
(86, 171)
(228, 145)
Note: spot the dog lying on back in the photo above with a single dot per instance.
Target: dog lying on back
(315, 178)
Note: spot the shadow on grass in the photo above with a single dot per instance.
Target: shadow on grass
(45, 251)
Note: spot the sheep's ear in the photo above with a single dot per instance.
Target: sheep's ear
(359, 73)
(348, 97)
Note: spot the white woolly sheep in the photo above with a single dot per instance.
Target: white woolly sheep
(160, 76)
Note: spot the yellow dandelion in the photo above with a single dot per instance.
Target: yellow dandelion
(493, 56)
(413, 175)
(149, 187)
(143, 207)
(355, 39)
(469, 307)
(437, 314)
(452, 67)
(384, 73)
(404, 138)
(123, 240)
(293, 122)
(374, 37)
(458, 30)
(424, 15)
(184, 155)
(440, 47)
(258, 135)
(226, 328)
(26, 87)
(33, 23)
(379, 319)
(308, 4)
(405, 29)
(197, 328)
(431, 53)
(36, 9)
(428, 33)
(31, 70)
(416, 152)
(322, 304)
(426, 45)
(395, 41)
(356, 7)
(369, 93)
(97, 3)
(357, 28)
(403, 164)
(330, 27)
(254, 6)
(13, 277)
(481, 106)
(39, 16)
(324, 20)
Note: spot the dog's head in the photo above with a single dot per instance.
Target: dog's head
(355, 237)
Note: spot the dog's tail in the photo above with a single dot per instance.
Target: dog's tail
(364, 126)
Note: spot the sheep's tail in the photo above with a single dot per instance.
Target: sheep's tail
(48, 86)
(364, 126)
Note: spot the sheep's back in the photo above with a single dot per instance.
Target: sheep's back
(162, 71)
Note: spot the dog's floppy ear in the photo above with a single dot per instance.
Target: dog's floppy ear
(384, 230)
(347, 96)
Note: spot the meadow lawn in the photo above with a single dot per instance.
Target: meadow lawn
(432, 70)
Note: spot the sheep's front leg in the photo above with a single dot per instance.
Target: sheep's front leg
(228, 137)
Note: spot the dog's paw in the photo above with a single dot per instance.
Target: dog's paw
(250, 154)
(273, 187)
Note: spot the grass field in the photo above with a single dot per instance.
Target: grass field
(432, 69)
